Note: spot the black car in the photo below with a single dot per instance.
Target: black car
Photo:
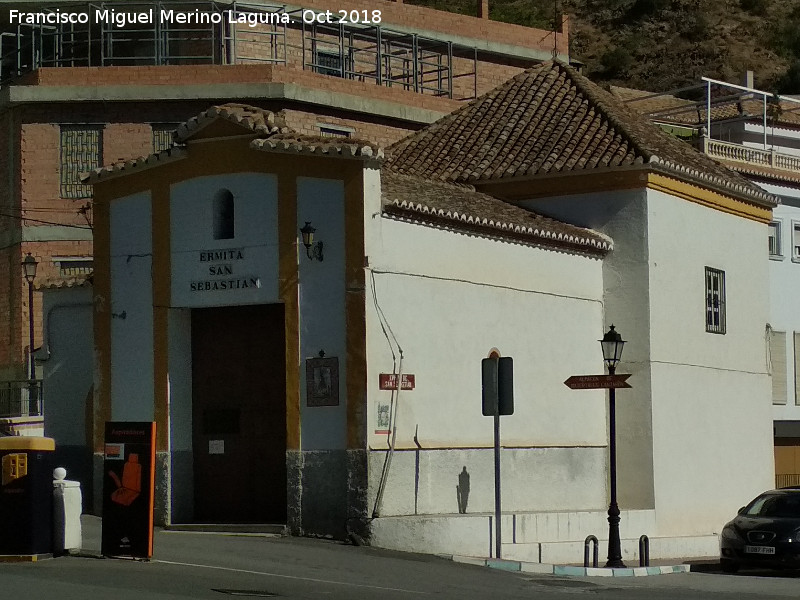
(766, 533)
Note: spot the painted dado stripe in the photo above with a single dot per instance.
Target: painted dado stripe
(709, 198)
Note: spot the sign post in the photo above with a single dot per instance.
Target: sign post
(497, 376)
(611, 382)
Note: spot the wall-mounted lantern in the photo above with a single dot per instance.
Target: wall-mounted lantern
(313, 249)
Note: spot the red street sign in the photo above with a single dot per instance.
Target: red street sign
(388, 381)
(596, 382)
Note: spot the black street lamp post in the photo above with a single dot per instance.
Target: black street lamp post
(29, 269)
(612, 344)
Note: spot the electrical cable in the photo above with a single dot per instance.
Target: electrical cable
(397, 371)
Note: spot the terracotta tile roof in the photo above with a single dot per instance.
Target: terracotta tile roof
(763, 172)
(461, 208)
(549, 120)
(665, 107)
(76, 281)
(257, 120)
(310, 144)
(138, 164)
(272, 134)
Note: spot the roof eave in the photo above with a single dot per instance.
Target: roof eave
(136, 165)
(507, 232)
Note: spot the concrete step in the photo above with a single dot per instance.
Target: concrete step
(271, 528)
(571, 552)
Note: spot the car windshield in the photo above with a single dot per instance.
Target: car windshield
(775, 505)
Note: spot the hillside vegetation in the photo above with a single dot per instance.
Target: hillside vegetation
(665, 44)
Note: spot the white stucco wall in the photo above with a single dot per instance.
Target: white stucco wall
(693, 392)
(256, 237)
(67, 370)
(784, 292)
(623, 216)
(448, 299)
(131, 309)
(322, 307)
(707, 389)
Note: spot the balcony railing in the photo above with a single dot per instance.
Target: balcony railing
(752, 156)
(21, 398)
(787, 479)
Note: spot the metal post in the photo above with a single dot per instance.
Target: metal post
(497, 524)
(614, 546)
(33, 397)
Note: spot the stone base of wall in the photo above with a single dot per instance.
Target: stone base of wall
(327, 493)
(553, 538)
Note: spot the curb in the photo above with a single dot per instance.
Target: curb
(570, 571)
(15, 558)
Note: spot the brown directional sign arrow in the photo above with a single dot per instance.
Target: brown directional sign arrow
(596, 382)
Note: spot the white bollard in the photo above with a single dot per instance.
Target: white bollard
(67, 503)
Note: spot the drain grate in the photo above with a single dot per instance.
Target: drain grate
(249, 593)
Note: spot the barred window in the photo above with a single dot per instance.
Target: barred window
(328, 63)
(334, 131)
(70, 266)
(715, 300)
(80, 153)
(162, 136)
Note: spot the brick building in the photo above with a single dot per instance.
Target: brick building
(74, 96)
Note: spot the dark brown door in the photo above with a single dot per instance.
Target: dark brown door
(239, 414)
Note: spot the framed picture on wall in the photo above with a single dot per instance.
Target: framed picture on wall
(322, 381)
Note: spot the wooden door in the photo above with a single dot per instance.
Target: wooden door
(239, 414)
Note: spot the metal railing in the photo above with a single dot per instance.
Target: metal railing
(21, 398)
(362, 52)
(750, 155)
(787, 479)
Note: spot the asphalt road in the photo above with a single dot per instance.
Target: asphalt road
(200, 566)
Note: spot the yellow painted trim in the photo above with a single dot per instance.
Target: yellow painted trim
(289, 291)
(234, 156)
(161, 265)
(708, 198)
(355, 310)
(102, 318)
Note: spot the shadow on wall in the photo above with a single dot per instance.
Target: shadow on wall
(462, 491)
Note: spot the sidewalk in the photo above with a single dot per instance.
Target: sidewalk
(92, 534)
(657, 567)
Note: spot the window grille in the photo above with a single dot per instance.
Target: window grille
(715, 300)
(775, 239)
(162, 137)
(333, 132)
(80, 153)
(70, 266)
(328, 63)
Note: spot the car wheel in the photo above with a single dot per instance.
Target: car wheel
(729, 566)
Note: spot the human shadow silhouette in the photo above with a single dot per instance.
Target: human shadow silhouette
(462, 491)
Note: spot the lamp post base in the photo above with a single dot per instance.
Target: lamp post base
(614, 545)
